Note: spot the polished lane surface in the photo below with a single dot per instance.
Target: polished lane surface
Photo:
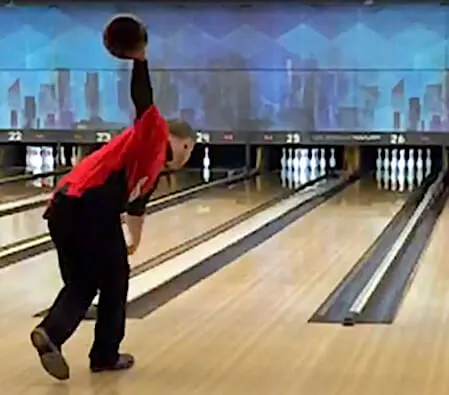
(15, 191)
(182, 223)
(427, 300)
(19, 190)
(28, 224)
(245, 328)
(38, 277)
(420, 344)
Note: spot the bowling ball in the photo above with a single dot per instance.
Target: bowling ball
(124, 34)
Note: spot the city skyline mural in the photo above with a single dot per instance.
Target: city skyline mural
(266, 67)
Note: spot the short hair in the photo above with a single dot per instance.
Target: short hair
(181, 129)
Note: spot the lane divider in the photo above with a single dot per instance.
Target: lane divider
(367, 292)
(210, 233)
(156, 286)
(159, 275)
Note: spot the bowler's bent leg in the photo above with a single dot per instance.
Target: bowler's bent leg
(111, 311)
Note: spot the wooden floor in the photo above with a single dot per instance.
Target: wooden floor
(196, 216)
(244, 330)
(22, 225)
(20, 190)
(29, 223)
(38, 278)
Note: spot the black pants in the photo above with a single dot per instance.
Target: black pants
(92, 257)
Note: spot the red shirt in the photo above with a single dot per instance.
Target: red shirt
(121, 175)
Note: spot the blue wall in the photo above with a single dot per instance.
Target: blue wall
(276, 67)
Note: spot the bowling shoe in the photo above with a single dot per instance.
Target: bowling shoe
(124, 362)
(50, 355)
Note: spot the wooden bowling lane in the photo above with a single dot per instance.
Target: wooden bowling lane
(29, 223)
(14, 191)
(35, 281)
(21, 190)
(22, 225)
(427, 301)
(414, 353)
(176, 225)
(7, 172)
(244, 329)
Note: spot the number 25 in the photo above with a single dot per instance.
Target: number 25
(293, 138)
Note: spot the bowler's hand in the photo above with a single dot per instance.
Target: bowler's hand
(138, 54)
(132, 249)
(135, 224)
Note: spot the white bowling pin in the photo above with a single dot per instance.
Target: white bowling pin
(284, 159)
(73, 157)
(206, 174)
(401, 161)
(48, 166)
(419, 160)
(314, 159)
(394, 169)
(290, 167)
(411, 160)
(379, 160)
(386, 159)
(428, 161)
(44, 159)
(62, 156)
(323, 161)
(49, 159)
(394, 160)
(304, 159)
(36, 165)
(36, 160)
(332, 160)
(206, 158)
